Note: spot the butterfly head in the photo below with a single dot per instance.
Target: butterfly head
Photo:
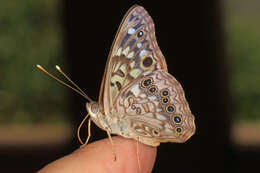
(93, 109)
(96, 113)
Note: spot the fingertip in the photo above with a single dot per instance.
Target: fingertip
(126, 155)
(98, 157)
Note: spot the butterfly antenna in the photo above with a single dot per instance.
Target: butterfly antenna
(59, 69)
(63, 83)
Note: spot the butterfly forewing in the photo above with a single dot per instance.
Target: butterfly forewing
(137, 92)
(134, 53)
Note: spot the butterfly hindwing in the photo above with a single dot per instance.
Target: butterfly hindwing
(156, 108)
(134, 53)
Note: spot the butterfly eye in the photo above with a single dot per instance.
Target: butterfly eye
(170, 108)
(177, 119)
(147, 62)
(140, 34)
(94, 108)
(178, 130)
(165, 100)
(152, 90)
(146, 82)
(165, 93)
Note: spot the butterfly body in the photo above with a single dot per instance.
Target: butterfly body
(138, 98)
(113, 122)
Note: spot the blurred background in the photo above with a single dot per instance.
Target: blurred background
(211, 47)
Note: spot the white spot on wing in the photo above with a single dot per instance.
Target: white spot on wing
(117, 78)
(131, 31)
(168, 126)
(135, 90)
(139, 45)
(168, 131)
(121, 101)
(116, 67)
(146, 73)
(159, 110)
(123, 68)
(152, 98)
(142, 101)
(160, 117)
(125, 52)
(127, 103)
(134, 73)
(143, 95)
(142, 52)
(140, 130)
(132, 64)
(118, 53)
(130, 55)
(158, 66)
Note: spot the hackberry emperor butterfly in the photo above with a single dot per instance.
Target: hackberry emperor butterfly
(138, 98)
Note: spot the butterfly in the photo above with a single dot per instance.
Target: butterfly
(138, 98)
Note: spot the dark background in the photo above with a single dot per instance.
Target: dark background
(191, 37)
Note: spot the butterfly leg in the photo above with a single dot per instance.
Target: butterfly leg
(89, 132)
(138, 154)
(112, 143)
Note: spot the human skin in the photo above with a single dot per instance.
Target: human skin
(98, 157)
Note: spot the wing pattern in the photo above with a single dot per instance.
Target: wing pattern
(156, 107)
(134, 53)
(138, 88)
